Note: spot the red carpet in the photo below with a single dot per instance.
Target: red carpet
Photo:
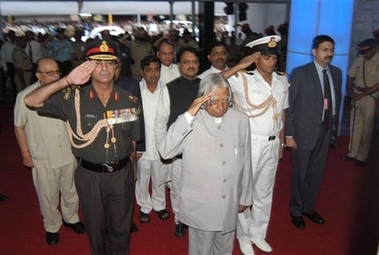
(349, 202)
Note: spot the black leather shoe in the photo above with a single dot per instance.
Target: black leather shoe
(346, 158)
(134, 227)
(78, 227)
(315, 217)
(163, 214)
(144, 217)
(359, 163)
(179, 230)
(298, 222)
(52, 238)
(3, 197)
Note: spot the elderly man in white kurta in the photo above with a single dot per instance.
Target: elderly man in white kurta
(216, 173)
(262, 95)
(169, 70)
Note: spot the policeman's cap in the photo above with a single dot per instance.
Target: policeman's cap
(102, 50)
(267, 45)
(366, 45)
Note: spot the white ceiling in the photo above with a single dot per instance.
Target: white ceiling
(43, 8)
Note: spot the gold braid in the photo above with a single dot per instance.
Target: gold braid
(265, 105)
(91, 135)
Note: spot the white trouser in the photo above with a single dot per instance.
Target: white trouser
(264, 158)
(176, 186)
(48, 183)
(209, 242)
(158, 172)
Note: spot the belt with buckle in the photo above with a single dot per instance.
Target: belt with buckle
(104, 168)
(271, 138)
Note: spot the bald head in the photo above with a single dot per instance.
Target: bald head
(47, 71)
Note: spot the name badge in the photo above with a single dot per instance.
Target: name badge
(122, 115)
(325, 104)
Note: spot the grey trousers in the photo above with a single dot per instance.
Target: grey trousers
(203, 242)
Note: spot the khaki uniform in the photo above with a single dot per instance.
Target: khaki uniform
(23, 61)
(106, 198)
(363, 113)
(138, 51)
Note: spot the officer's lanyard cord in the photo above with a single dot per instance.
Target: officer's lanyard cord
(91, 135)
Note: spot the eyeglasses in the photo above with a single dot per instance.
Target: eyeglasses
(51, 73)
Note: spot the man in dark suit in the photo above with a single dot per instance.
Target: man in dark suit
(312, 124)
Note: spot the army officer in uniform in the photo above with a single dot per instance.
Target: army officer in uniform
(103, 124)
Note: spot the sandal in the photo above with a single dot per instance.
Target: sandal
(163, 214)
(144, 217)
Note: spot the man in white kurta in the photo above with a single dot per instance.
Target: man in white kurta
(262, 95)
(45, 147)
(216, 173)
(150, 166)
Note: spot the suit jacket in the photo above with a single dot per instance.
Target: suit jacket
(216, 173)
(304, 114)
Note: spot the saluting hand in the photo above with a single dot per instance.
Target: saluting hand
(197, 103)
(82, 73)
(248, 60)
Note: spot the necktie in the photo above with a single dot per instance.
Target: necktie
(328, 101)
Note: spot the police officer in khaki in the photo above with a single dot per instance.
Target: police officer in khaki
(22, 63)
(363, 86)
(103, 125)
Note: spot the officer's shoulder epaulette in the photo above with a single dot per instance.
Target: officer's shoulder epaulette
(244, 71)
(281, 73)
(67, 93)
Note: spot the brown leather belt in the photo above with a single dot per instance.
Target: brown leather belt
(104, 168)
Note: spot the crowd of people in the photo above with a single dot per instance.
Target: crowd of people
(66, 43)
(142, 119)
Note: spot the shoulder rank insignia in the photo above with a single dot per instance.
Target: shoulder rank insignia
(133, 98)
(244, 71)
(281, 73)
(66, 93)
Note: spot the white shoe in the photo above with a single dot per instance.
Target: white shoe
(261, 244)
(245, 246)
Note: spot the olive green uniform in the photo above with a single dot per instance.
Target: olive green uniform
(106, 198)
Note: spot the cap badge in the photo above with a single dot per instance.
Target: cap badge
(104, 47)
(272, 43)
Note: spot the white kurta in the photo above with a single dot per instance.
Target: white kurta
(211, 70)
(169, 73)
(150, 166)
